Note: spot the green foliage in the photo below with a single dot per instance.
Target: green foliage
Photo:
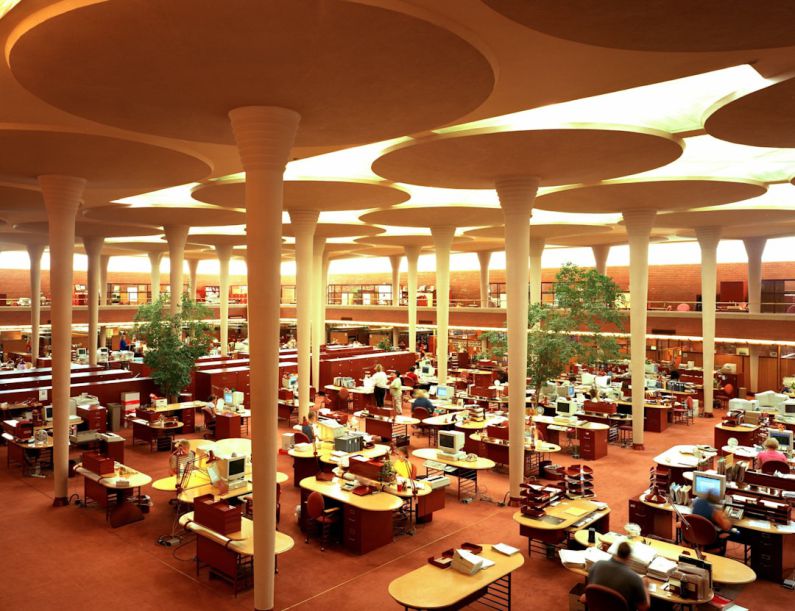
(384, 344)
(497, 345)
(174, 342)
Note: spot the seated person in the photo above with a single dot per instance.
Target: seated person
(616, 575)
(771, 452)
(421, 400)
(412, 375)
(321, 400)
(308, 426)
(707, 506)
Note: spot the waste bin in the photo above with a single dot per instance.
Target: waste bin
(114, 417)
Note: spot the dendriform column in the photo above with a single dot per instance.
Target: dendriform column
(193, 278)
(394, 261)
(264, 136)
(412, 259)
(104, 263)
(755, 248)
(484, 258)
(708, 238)
(319, 298)
(516, 200)
(177, 236)
(639, 225)
(154, 265)
(443, 242)
(224, 253)
(62, 196)
(600, 254)
(93, 246)
(304, 223)
(35, 252)
(536, 253)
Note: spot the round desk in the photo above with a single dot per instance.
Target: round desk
(233, 445)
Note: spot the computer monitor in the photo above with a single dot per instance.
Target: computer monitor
(48, 412)
(602, 381)
(563, 407)
(228, 397)
(571, 391)
(784, 439)
(451, 442)
(82, 352)
(709, 484)
(432, 390)
(587, 378)
(563, 391)
(232, 468)
(444, 392)
(426, 369)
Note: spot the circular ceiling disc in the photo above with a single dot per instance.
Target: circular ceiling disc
(337, 230)
(355, 73)
(762, 118)
(435, 216)
(167, 215)
(18, 198)
(542, 230)
(656, 194)
(325, 195)
(722, 218)
(103, 161)
(216, 239)
(658, 25)
(85, 229)
(768, 230)
(475, 159)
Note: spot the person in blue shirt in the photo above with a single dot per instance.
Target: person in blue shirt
(123, 342)
(421, 400)
(308, 426)
(707, 506)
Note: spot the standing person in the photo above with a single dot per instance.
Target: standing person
(616, 575)
(380, 385)
(123, 342)
(396, 392)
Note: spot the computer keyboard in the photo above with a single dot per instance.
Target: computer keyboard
(433, 464)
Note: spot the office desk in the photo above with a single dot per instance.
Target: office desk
(113, 496)
(156, 434)
(227, 426)
(378, 450)
(287, 408)
(438, 423)
(429, 587)
(396, 430)
(498, 451)
(366, 520)
(306, 463)
(232, 445)
(592, 436)
(745, 435)
(28, 455)
(186, 411)
(656, 417)
(767, 540)
(472, 426)
(561, 520)
(724, 570)
(681, 458)
(465, 471)
(230, 558)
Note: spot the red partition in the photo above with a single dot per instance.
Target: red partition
(355, 366)
(8, 374)
(106, 392)
(77, 378)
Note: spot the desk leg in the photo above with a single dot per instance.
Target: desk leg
(498, 594)
(470, 482)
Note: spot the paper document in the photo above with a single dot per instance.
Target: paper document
(572, 557)
(576, 511)
(506, 549)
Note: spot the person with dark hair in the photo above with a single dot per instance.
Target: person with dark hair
(616, 575)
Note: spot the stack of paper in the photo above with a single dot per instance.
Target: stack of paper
(661, 568)
(640, 558)
(573, 558)
(594, 555)
(506, 549)
(468, 563)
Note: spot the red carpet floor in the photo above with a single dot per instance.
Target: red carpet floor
(69, 558)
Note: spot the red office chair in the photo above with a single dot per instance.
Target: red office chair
(301, 437)
(791, 309)
(317, 514)
(209, 422)
(771, 466)
(703, 535)
(421, 413)
(601, 598)
(683, 307)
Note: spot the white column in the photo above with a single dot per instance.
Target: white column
(104, 262)
(154, 265)
(516, 200)
(176, 235)
(442, 241)
(755, 248)
(639, 224)
(193, 275)
(319, 310)
(93, 246)
(708, 238)
(224, 253)
(34, 254)
(536, 254)
(264, 138)
(394, 261)
(600, 254)
(412, 258)
(62, 196)
(304, 223)
(484, 257)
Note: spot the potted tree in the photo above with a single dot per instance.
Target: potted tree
(173, 341)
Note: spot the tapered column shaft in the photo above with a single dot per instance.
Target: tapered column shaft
(600, 254)
(193, 278)
(154, 265)
(443, 241)
(394, 261)
(412, 258)
(93, 246)
(176, 235)
(708, 238)
(536, 254)
(484, 257)
(755, 248)
(319, 309)
(224, 255)
(34, 253)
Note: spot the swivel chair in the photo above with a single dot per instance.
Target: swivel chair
(601, 598)
(703, 535)
(771, 466)
(318, 515)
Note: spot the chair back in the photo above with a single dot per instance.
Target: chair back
(406, 381)
(699, 531)
(769, 467)
(285, 394)
(301, 437)
(420, 413)
(683, 307)
(601, 598)
(315, 505)
(209, 415)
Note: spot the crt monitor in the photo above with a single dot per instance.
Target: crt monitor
(48, 412)
(563, 407)
(624, 409)
(426, 369)
(784, 439)
(82, 352)
(571, 392)
(451, 442)
(444, 392)
(709, 484)
(228, 398)
(232, 468)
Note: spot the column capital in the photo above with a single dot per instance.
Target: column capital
(708, 237)
(484, 258)
(755, 247)
(517, 193)
(537, 246)
(35, 251)
(304, 220)
(265, 136)
(443, 236)
(93, 245)
(639, 222)
(224, 251)
(412, 252)
(155, 258)
(62, 193)
(176, 233)
(394, 261)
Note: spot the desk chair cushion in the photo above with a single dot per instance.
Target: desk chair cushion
(601, 598)
(702, 534)
(771, 466)
(301, 437)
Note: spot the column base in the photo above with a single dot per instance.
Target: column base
(514, 501)
(709, 415)
(638, 446)
(60, 501)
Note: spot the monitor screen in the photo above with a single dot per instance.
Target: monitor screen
(48, 412)
(571, 391)
(709, 484)
(444, 392)
(563, 407)
(426, 370)
(624, 409)
(237, 466)
(82, 352)
(451, 440)
(228, 397)
(784, 439)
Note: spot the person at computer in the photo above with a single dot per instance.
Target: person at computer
(501, 376)
(707, 506)
(123, 342)
(412, 375)
(308, 426)
(771, 452)
(616, 575)
(321, 400)
(421, 400)
(380, 383)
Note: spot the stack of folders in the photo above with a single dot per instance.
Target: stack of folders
(640, 558)
(594, 555)
(468, 563)
(681, 494)
(661, 568)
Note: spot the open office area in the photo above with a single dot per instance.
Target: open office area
(428, 304)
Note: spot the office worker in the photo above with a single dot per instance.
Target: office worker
(308, 426)
(321, 400)
(412, 375)
(771, 452)
(421, 400)
(396, 393)
(380, 384)
(616, 575)
(708, 506)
